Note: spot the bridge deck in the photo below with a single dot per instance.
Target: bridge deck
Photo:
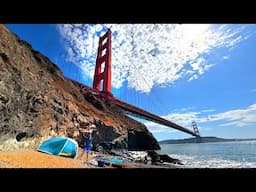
(136, 111)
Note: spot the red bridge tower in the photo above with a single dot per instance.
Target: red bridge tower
(103, 66)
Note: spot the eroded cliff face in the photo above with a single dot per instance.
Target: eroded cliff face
(37, 102)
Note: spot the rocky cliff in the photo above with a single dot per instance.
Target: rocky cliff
(37, 102)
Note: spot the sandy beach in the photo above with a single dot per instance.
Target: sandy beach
(34, 159)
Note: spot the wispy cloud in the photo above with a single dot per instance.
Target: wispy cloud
(204, 128)
(237, 117)
(253, 90)
(208, 110)
(226, 57)
(186, 109)
(155, 128)
(147, 55)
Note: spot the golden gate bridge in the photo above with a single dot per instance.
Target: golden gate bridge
(102, 87)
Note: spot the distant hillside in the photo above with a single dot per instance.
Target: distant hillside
(203, 140)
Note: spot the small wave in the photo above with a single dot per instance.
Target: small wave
(248, 142)
(198, 162)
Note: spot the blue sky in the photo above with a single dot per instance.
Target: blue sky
(183, 73)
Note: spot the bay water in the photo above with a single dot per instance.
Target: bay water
(239, 154)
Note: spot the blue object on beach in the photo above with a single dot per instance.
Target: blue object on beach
(59, 146)
(116, 160)
(111, 160)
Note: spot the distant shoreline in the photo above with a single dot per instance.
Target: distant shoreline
(203, 140)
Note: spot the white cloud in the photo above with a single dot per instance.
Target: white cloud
(147, 55)
(186, 108)
(156, 128)
(204, 128)
(236, 117)
(208, 110)
(226, 57)
(193, 77)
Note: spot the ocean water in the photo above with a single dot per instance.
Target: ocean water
(241, 154)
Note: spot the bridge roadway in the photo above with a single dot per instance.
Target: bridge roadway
(136, 111)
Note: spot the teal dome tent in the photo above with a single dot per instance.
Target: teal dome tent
(59, 146)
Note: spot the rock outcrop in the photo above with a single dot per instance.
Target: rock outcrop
(38, 102)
